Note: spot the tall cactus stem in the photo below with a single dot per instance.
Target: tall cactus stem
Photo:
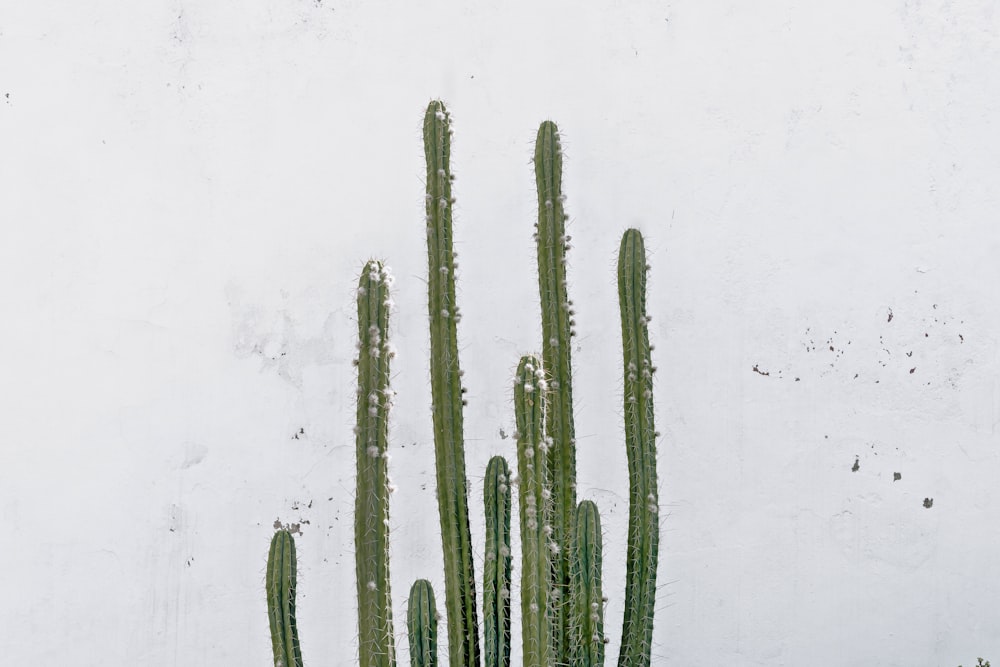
(496, 572)
(640, 441)
(587, 598)
(280, 583)
(557, 328)
(537, 544)
(446, 395)
(421, 624)
(371, 509)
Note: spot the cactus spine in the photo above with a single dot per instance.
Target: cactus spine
(587, 598)
(535, 506)
(446, 395)
(557, 328)
(640, 442)
(496, 572)
(421, 624)
(371, 510)
(280, 583)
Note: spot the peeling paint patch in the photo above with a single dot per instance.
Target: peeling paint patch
(271, 330)
(175, 519)
(194, 455)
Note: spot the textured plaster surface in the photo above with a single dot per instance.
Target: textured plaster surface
(189, 190)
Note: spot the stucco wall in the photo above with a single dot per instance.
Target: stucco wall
(189, 189)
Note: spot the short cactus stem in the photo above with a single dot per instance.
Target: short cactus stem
(446, 396)
(557, 328)
(537, 546)
(280, 583)
(421, 625)
(496, 572)
(640, 443)
(371, 508)
(587, 597)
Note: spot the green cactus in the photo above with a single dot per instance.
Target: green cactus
(557, 328)
(586, 597)
(446, 396)
(371, 509)
(280, 584)
(535, 506)
(561, 582)
(496, 572)
(421, 624)
(640, 443)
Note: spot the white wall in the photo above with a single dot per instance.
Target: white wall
(189, 189)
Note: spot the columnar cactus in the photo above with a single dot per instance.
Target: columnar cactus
(557, 328)
(280, 584)
(371, 509)
(640, 442)
(561, 588)
(421, 624)
(537, 545)
(496, 572)
(446, 396)
(586, 596)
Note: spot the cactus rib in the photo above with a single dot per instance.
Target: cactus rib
(371, 509)
(446, 396)
(536, 513)
(421, 624)
(557, 328)
(587, 598)
(640, 440)
(280, 583)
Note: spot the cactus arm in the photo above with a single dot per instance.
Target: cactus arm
(446, 396)
(535, 510)
(421, 624)
(557, 328)
(587, 597)
(496, 572)
(280, 583)
(371, 510)
(640, 441)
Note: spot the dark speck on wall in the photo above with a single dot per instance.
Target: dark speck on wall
(857, 464)
(896, 476)
(928, 503)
